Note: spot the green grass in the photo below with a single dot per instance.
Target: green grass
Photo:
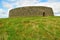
(30, 28)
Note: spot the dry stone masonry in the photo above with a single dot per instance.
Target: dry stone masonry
(31, 11)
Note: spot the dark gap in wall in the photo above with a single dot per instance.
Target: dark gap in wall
(43, 13)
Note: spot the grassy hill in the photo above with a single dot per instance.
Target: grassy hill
(30, 28)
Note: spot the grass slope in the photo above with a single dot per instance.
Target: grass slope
(30, 28)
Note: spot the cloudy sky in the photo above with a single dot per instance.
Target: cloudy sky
(6, 5)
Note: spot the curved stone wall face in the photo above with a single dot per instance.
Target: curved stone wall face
(31, 11)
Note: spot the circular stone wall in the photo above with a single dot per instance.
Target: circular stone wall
(31, 11)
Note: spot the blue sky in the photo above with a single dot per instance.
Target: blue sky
(6, 5)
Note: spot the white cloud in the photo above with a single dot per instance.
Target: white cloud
(3, 14)
(1, 10)
(53, 0)
(7, 5)
(11, 0)
(21, 3)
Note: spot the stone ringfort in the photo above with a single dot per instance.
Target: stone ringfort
(31, 11)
